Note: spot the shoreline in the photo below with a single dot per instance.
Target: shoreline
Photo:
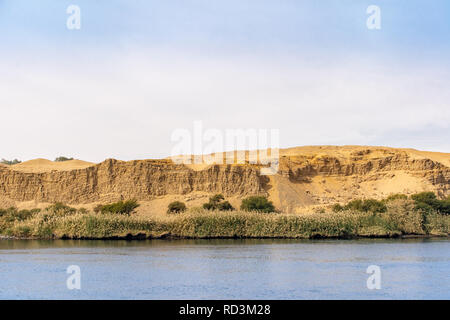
(169, 237)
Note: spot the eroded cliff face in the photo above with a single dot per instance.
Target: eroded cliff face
(113, 180)
(307, 176)
(329, 175)
(367, 165)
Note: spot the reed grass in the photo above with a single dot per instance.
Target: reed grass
(400, 219)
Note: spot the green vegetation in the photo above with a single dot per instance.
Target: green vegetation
(12, 214)
(424, 201)
(225, 206)
(61, 209)
(10, 162)
(367, 219)
(176, 207)
(217, 202)
(367, 205)
(398, 220)
(257, 204)
(121, 207)
(62, 159)
(427, 201)
(396, 196)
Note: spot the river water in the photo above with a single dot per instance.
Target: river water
(225, 269)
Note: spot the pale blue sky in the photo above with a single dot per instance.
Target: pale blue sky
(137, 70)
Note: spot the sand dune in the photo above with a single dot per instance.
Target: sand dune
(44, 165)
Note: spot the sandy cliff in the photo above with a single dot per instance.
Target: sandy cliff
(308, 176)
(112, 180)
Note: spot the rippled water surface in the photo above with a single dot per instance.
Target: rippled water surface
(225, 269)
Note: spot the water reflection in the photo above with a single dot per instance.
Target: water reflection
(42, 244)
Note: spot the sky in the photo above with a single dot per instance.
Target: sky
(136, 71)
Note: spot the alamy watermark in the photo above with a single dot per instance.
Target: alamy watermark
(374, 20)
(214, 146)
(374, 280)
(74, 20)
(74, 280)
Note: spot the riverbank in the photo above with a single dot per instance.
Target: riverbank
(398, 221)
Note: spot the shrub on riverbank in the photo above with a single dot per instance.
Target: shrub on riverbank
(59, 208)
(176, 207)
(427, 201)
(217, 202)
(366, 205)
(257, 204)
(120, 207)
(424, 201)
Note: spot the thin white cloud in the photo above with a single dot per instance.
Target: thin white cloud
(126, 105)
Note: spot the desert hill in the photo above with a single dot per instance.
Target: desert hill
(44, 165)
(308, 176)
